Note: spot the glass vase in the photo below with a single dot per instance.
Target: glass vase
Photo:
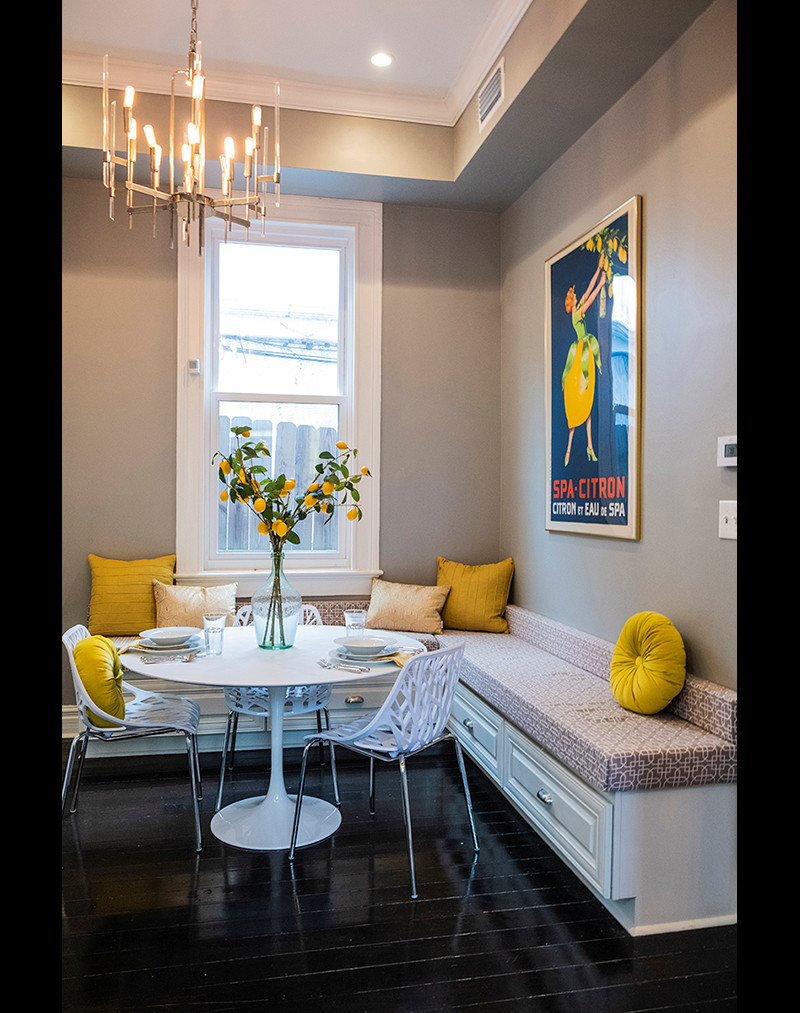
(277, 607)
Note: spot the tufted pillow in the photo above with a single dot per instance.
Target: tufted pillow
(100, 670)
(122, 602)
(478, 594)
(648, 667)
(411, 608)
(182, 605)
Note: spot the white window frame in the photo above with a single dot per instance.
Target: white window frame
(195, 504)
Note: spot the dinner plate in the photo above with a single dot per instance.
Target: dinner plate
(148, 645)
(170, 636)
(340, 654)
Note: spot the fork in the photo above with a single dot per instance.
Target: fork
(181, 658)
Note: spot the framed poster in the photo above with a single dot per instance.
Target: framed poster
(592, 382)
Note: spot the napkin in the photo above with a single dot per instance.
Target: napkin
(403, 656)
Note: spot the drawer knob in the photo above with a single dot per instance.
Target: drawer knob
(353, 700)
(544, 796)
(467, 724)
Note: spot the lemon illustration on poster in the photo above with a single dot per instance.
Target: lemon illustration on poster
(592, 362)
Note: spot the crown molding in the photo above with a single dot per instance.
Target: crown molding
(85, 69)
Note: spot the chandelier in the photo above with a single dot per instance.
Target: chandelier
(187, 198)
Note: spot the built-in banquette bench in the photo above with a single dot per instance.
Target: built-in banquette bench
(641, 807)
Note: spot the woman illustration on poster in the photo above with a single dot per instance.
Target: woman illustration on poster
(577, 380)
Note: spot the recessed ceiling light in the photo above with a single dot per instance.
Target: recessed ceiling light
(381, 60)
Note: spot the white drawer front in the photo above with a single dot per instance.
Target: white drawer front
(479, 730)
(569, 814)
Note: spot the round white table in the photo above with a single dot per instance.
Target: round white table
(265, 823)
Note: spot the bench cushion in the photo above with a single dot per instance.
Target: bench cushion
(572, 714)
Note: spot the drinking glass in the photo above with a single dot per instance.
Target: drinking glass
(214, 625)
(355, 620)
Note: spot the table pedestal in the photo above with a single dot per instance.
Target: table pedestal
(265, 823)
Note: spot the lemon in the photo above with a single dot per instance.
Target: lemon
(352, 514)
(310, 501)
(225, 467)
(224, 495)
(327, 488)
(342, 446)
(280, 528)
(262, 528)
(260, 505)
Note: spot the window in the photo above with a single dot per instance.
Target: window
(280, 331)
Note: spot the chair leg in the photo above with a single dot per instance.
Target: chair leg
(68, 773)
(192, 753)
(371, 786)
(407, 816)
(79, 774)
(462, 768)
(226, 741)
(232, 747)
(299, 801)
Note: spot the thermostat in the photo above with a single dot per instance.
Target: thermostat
(726, 452)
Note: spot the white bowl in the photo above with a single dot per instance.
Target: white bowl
(170, 636)
(363, 645)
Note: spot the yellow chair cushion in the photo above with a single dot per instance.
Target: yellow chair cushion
(478, 594)
(122, 601)
(100, 669)
(648, 667)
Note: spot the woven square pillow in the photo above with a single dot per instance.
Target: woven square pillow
(122, 602)
(183, 605)
(478, 594)
(409, 608)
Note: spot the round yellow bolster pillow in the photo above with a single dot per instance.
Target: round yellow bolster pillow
(100, 669)
(648, 668)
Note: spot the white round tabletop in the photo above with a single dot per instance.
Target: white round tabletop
(244, 663)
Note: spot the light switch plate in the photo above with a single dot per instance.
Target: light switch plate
(727, 518)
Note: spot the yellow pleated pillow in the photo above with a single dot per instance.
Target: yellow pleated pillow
(478, 594)
(100, 669)
(122, 602)
(648, 667)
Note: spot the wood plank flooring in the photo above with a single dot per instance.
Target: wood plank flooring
(150, 925)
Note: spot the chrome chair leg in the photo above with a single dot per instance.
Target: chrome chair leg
(371, 786)
(192, 754)
(79, 773)
(299, 801)
(462, 768)
(407, 817)
(226, 741)
(234, 730)
(68, 773)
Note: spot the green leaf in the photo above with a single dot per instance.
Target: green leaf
(293, 537)
(326, 455)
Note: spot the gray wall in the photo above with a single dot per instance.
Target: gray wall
(672, 139)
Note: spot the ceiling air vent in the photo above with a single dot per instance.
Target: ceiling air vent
(490, 97)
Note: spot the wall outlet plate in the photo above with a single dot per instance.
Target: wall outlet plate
(727, 518)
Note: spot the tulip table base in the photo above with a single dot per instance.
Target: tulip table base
(265, 823)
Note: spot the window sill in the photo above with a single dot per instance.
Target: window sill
(310, 583)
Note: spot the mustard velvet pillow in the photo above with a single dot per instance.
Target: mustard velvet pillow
(100, 669)
(410, 608)
(122, 602)
(478, 594)
(648, 667)
(182, 605)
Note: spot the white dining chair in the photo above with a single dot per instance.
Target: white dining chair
(413, 718)
(146, 714)
(255, 699)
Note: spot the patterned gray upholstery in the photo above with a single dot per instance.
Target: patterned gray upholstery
(532, 677)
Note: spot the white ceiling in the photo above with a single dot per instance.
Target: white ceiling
(319, 49)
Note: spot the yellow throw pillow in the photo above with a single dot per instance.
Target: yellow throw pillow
(478, 594)
(122, 602)
(648, 667)
(182, 605)
(409, 608)
(100, 669)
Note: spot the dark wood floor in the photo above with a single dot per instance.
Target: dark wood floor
(150, 925)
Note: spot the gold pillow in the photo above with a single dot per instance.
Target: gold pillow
(409, 608)
(122, 602)
(99, 667)
(182, 605)
(478, 594)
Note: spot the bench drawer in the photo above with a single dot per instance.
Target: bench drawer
(573, 818)
(479, 730)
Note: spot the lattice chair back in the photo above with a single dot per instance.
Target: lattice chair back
(416, 711)
(311, 616)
